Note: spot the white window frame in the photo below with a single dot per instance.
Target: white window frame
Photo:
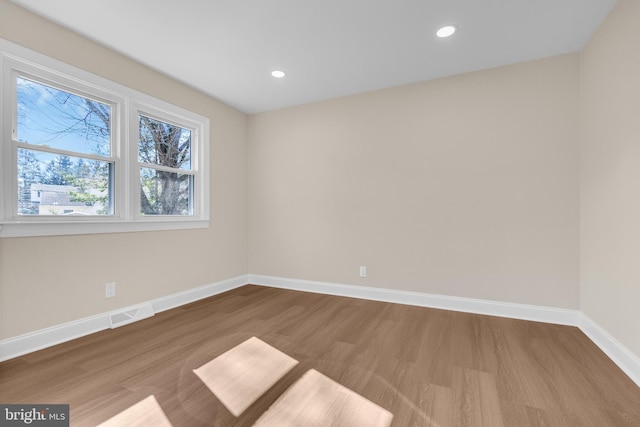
(126, 104)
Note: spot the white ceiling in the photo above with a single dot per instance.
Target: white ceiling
(328, 48)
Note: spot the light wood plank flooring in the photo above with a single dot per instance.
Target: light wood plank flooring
(427, 367)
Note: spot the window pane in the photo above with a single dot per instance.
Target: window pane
(164, 144)
(165, 193)
(58, 119)
(51, 184)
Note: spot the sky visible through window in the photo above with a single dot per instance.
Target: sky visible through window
(61, 120)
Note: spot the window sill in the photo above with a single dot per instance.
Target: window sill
(35, 229)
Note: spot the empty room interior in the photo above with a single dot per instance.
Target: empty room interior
(295, 213)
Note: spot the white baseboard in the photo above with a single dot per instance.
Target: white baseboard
(28, 343)
(618, 353)
(186, 297)
(628, 362)
(468, 305)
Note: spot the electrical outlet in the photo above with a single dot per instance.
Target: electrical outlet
(110, 290)
(363, 271)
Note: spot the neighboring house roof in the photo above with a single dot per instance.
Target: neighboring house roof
(57, 195)
(49, 187)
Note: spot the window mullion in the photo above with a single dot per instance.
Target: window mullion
(133, 173)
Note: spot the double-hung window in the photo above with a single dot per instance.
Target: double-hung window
(63, 149)
(166, 175)
(81, 154)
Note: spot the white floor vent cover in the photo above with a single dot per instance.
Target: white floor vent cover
(130, 315)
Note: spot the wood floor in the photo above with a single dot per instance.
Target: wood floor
(427, 367)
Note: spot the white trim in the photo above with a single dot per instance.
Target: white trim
(618, 353)
(28, 343)
(95, 227)
(186, 297)
(535, 313)
(628, 362)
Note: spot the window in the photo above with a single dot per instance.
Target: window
(81, 154)
(166, 176)
(64, 152)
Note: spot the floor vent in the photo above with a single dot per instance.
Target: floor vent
(130, 315)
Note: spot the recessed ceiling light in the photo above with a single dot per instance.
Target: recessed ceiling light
(446, 31)
(278, 74)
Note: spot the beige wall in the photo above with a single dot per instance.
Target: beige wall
(610, 175)
(464, 186)
(51, 280)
